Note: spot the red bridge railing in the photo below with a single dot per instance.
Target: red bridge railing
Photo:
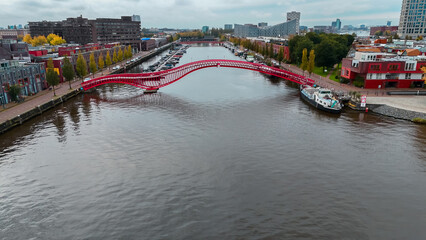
(156, 80)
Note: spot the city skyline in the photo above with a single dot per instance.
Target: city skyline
(168, 13)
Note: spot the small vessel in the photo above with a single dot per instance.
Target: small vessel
(321, 98)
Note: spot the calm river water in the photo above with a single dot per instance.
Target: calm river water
(220, 154)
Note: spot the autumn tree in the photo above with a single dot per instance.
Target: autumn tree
(38, 41)
(280, 55)
(114, 56)
(108, 59)
(304, 65)
(101, 62)
(27, 38)
(52, 76)
(311, 63)
(120, 54)
(57, 41)
(129, 51)
(92, 64)
(68, 70)
(81, 66)
(50, 37)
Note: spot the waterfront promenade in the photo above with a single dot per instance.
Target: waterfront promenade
(13, 109)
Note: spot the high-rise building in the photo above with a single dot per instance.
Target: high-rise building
(294, 16)
(338, 24)
(205, 29)
(228, 26)
(262, 24)
(280, 30)
(389, 23)
(412, 21)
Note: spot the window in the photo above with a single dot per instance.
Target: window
(408, 76)
(393, 67)
(409, 66)
(375, 67)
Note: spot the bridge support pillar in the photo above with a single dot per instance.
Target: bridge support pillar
(150, 90)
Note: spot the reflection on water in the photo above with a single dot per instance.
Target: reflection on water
(219, 154)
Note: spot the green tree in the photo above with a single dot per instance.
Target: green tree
(304, 43)
(311, 63)
(81, 66)
(304, 65)
(101, 62)
(14, 91)
(52, 76)
(68, 70)
(108, 60)
(120, 54)
(92, 64)
(325, 54)
(114, 56)
(314, 37)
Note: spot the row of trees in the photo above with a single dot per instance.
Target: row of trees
(68, 72)
(330, 49)
(51, 39)
(266, 49)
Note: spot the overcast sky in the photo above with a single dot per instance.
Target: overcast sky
(197, 13)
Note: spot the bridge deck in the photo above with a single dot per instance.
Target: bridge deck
(156, 80)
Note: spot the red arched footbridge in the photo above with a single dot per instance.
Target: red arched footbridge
(155, 80)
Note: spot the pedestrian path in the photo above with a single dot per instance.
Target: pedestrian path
(13, 109)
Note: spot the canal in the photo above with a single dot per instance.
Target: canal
(221, 154)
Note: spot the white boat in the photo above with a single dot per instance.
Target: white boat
(321, 98)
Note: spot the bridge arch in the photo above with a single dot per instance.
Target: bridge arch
(156, 80)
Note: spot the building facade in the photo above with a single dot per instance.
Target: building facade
(126, 30)
(13, 33)
(11, 49)
(382, 70)
(205, 29)
(228, 27)
(391, 29)
(31, 77)
(262, 24)
(294, 16)
(412, 21)
(280, 30)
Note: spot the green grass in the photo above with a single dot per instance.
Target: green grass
(419, 120)
(318, 71)
(336, 72)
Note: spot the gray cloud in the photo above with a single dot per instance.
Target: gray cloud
(194, 14)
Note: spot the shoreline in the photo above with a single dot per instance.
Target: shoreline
(17, 114)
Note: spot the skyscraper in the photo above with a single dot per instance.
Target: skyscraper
(412, 22)
(294, 16)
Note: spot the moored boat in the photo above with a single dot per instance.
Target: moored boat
(321, 98)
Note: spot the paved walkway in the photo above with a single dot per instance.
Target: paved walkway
(412, 103)
(13, 109)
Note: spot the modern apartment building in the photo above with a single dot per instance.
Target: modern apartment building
(386, 70)
(412, 21)
(31, 77)
(294, 16)
(228, 26)
(280, 30)
(125, 30)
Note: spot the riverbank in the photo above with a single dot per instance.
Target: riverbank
(15, 114)
(406, 108)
